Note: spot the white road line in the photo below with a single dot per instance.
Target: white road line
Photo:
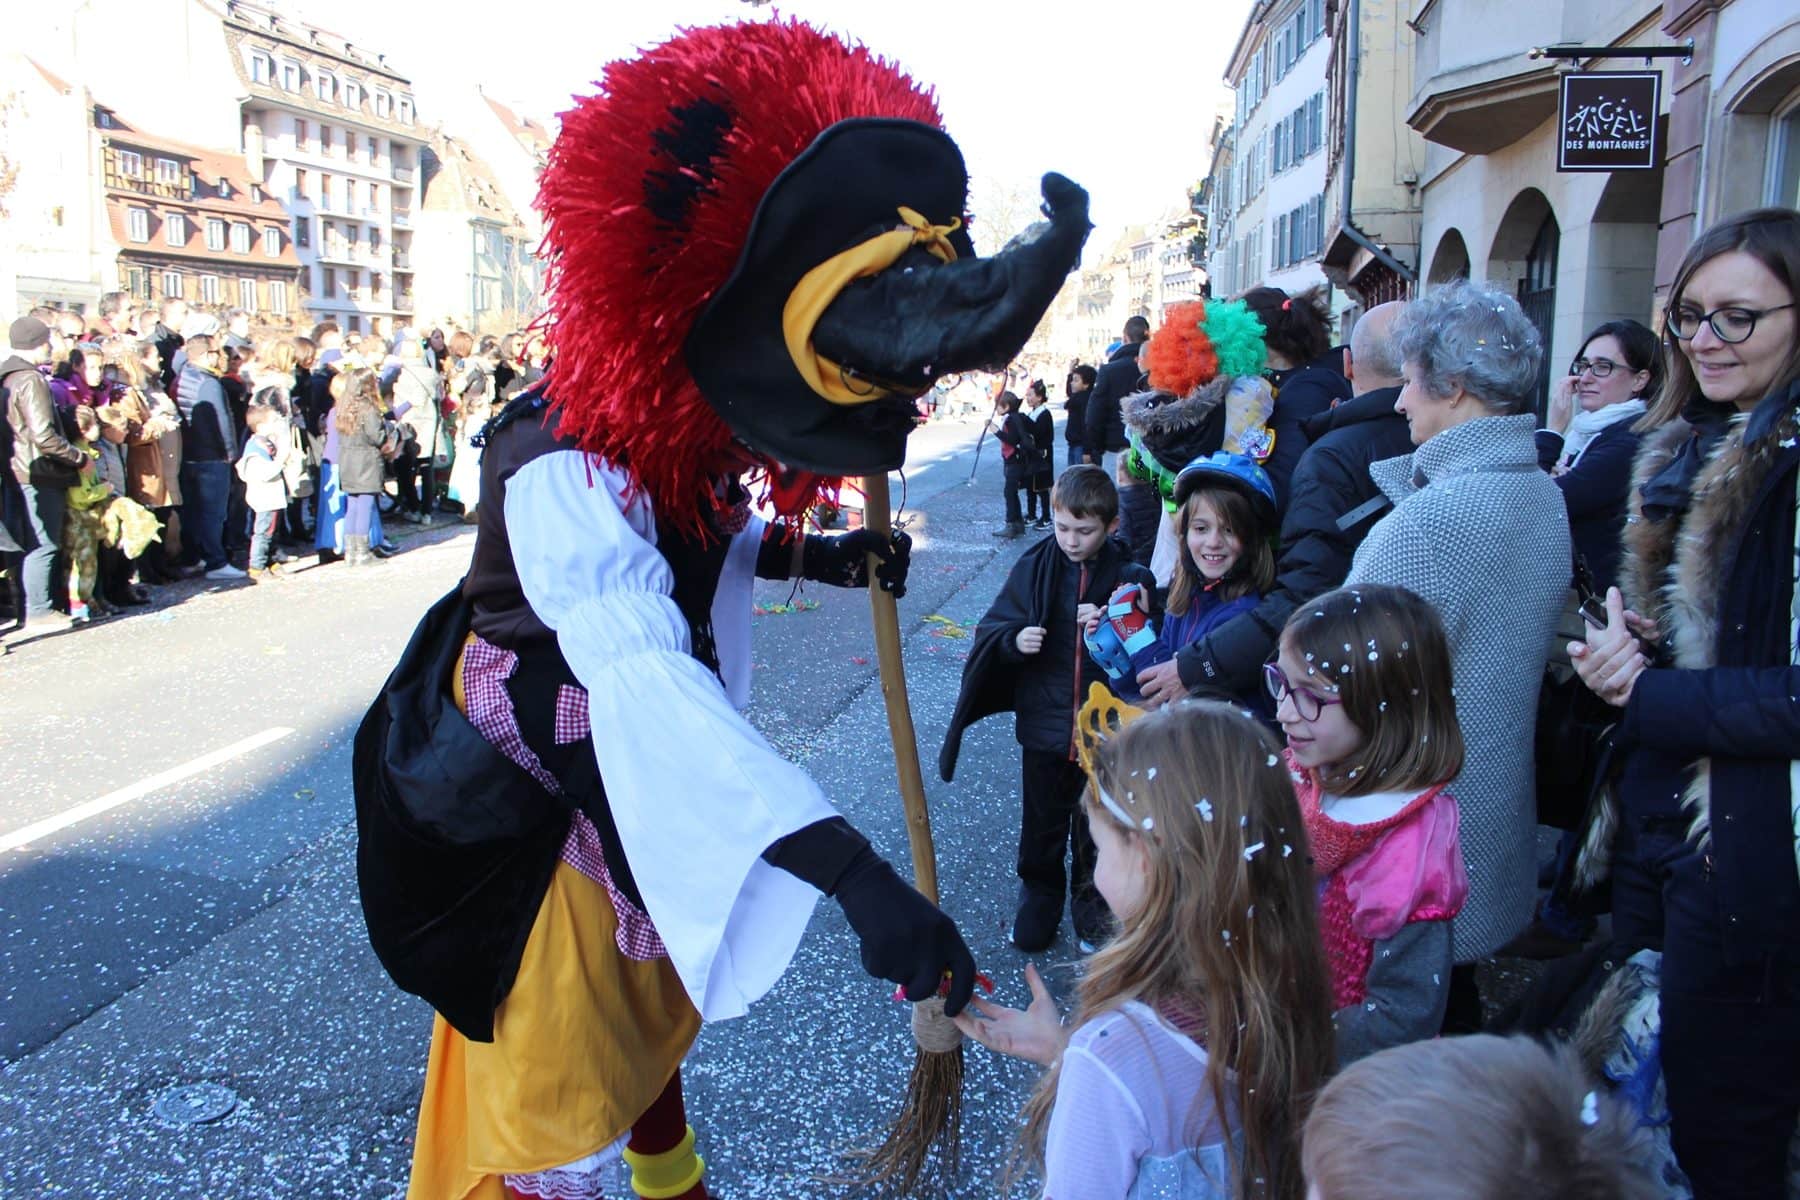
(93, 808)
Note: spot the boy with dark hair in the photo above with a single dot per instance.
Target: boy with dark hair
(1028, 659)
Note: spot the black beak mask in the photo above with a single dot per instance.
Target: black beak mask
(858, 287)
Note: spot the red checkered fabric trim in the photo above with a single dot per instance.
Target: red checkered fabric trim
(636, 935)
(486, 668)
(571, 714)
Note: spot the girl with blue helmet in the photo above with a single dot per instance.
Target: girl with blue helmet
(1225, 526)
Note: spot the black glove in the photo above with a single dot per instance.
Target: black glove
(906, 939)
(842, 561)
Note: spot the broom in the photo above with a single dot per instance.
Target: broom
(927, 1135)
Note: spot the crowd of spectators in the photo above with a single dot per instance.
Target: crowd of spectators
(1632, 537)
(151, 446)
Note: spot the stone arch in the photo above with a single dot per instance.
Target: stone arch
(1450, 260)
(1525, 260)
(1752, 91)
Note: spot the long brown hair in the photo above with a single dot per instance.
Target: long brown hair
(1227, 922)
(1769, 235)
(1254, 571)
(1383, 651)
(362, 392)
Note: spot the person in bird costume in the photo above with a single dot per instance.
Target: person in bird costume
(570, 841)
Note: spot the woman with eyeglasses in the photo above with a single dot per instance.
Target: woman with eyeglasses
(1707, 684)
(1480, 533)
(1592, 437)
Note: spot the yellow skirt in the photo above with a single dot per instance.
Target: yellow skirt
(583, 1044)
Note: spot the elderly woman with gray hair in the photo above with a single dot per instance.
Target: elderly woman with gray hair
(1479, 531)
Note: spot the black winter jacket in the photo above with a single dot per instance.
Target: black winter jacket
(1045, 689)
(1597, 493)
(1301, 394)
(1015, 433)
(1330, 483)
(1140, 516)
(1104, 426)
(1739, 714)
(1075, 424)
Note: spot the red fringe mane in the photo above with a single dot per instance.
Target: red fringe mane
(625, 287)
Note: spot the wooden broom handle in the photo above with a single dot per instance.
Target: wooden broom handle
(886, 614)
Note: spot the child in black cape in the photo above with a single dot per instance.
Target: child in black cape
(1028, 659)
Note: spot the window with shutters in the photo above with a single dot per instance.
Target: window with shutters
(171, 285)
(131, 164)
(209, 289)
(278, 299)
(240, 238)
(138, 219)
(215, 234)
(247, 294)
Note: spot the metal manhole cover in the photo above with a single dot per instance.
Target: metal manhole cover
(195, 1103)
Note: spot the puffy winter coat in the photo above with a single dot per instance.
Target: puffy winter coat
(1479, 532)
(1300, 395)
(202, 399)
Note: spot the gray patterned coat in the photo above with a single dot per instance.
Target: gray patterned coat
(1481, 534)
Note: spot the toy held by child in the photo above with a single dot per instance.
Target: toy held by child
(1201, 1031)
(1028, 659)
(1224, 523)
(1363, 692)
(1472, 1116)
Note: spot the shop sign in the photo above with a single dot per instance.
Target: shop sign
(1608, 121)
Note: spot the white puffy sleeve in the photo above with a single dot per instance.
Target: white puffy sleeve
(696, 792)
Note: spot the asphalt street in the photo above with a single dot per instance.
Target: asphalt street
(177, 879)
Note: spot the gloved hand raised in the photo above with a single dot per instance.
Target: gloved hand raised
(842, 561)
(906, 939)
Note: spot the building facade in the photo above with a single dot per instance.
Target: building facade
(1734, 118)
(332, 129)
(325, 127)
(1267, 207)
(195, 225)
(54, 244)
(1374, 160)
(477, 267)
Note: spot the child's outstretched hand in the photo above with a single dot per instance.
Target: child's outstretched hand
(1035, 1034)
(1030, 639)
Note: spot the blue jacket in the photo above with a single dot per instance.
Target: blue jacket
(1205, 614)
(1743, 713)
(1597, 492)
(207, 437)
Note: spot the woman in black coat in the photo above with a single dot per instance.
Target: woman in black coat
(364, 446)
(1307, 381)
(1704, 863)
(1592, 438)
